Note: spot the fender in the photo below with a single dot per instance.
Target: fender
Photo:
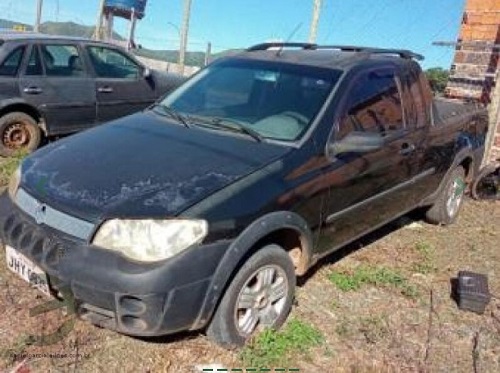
(13, 101)
(463, 154)
(20, 104)
(242, 246)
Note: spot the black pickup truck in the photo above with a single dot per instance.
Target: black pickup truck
(56, 85)
(200, 212)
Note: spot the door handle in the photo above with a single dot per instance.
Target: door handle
(32, 90)
(407, 148)
(105, 90)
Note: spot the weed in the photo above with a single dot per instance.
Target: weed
(335, 305)
(374, 328)
(372, 276)
(343, 328)
(425, 249)
(273, 348)
(426, 263)
(8, 166)
(11, 353)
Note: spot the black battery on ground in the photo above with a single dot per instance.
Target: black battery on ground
(472, 292)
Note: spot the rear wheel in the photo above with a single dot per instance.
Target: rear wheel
(260, 296)
(18, 132)
(447, 206)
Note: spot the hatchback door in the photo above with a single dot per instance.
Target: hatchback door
(122, 88)
(57, 82)
(367, 188)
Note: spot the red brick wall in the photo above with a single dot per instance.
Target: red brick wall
(476, 64)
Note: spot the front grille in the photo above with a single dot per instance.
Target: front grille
(32, 242)
(44, 214)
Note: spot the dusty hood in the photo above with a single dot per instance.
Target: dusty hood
(140, 166)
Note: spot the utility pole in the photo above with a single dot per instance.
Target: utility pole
(184, 34)
(98, 24)
(313, 33)
(208, 54)
(38, 22)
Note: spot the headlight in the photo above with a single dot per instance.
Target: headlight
(14, 182)
(150, 240)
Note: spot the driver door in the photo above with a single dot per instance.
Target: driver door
(365, 188)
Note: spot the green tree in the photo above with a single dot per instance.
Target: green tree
(438, 78)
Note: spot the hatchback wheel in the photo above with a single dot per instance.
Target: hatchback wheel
(18, 132)
(259, 297)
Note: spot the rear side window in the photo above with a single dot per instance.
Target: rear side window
(373, 104)
(10, 66)
(62, 60)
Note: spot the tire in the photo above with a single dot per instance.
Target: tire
(19, 132)
(450, 200)
(248, 304)
(487, 183)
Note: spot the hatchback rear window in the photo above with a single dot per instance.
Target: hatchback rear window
(10, 65)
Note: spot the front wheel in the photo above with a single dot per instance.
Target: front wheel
(260, 296)
(449, 202)
(18, 132)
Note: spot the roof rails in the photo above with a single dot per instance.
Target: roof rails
(266, 46)
(403, 53)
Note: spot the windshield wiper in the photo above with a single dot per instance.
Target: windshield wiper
(174, 114)
(232, 125)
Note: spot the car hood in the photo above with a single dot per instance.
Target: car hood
(141, 166)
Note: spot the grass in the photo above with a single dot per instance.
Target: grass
(10, 354)
(426, 263)
(8, 166)
(274, 348)
(374, 328)
(380, 276)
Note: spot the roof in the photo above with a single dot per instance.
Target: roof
(26, 35)
(339, 57)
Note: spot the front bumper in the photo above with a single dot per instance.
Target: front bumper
(107, 289)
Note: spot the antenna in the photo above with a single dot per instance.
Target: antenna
(292, 34)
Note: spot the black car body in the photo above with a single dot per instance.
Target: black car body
(376, 146)
(64, 85)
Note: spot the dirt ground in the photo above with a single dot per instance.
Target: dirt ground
(402, 320)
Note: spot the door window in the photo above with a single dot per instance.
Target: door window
(11, 64)
(414, 102)
(62, 61)
(373, 104)
(34, 63)
(110, 63)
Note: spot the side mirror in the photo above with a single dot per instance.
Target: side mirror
(358, 142)
(146, 73)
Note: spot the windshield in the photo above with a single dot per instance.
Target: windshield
(272, 100)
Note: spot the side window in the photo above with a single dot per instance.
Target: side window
(62, 60)
(414, 101)
(373, 104)
(110, 63)
(34, 63)
(427, 95)
(11, 64)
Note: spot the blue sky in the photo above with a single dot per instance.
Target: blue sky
(412, 24)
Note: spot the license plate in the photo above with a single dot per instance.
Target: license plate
(27, 270)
